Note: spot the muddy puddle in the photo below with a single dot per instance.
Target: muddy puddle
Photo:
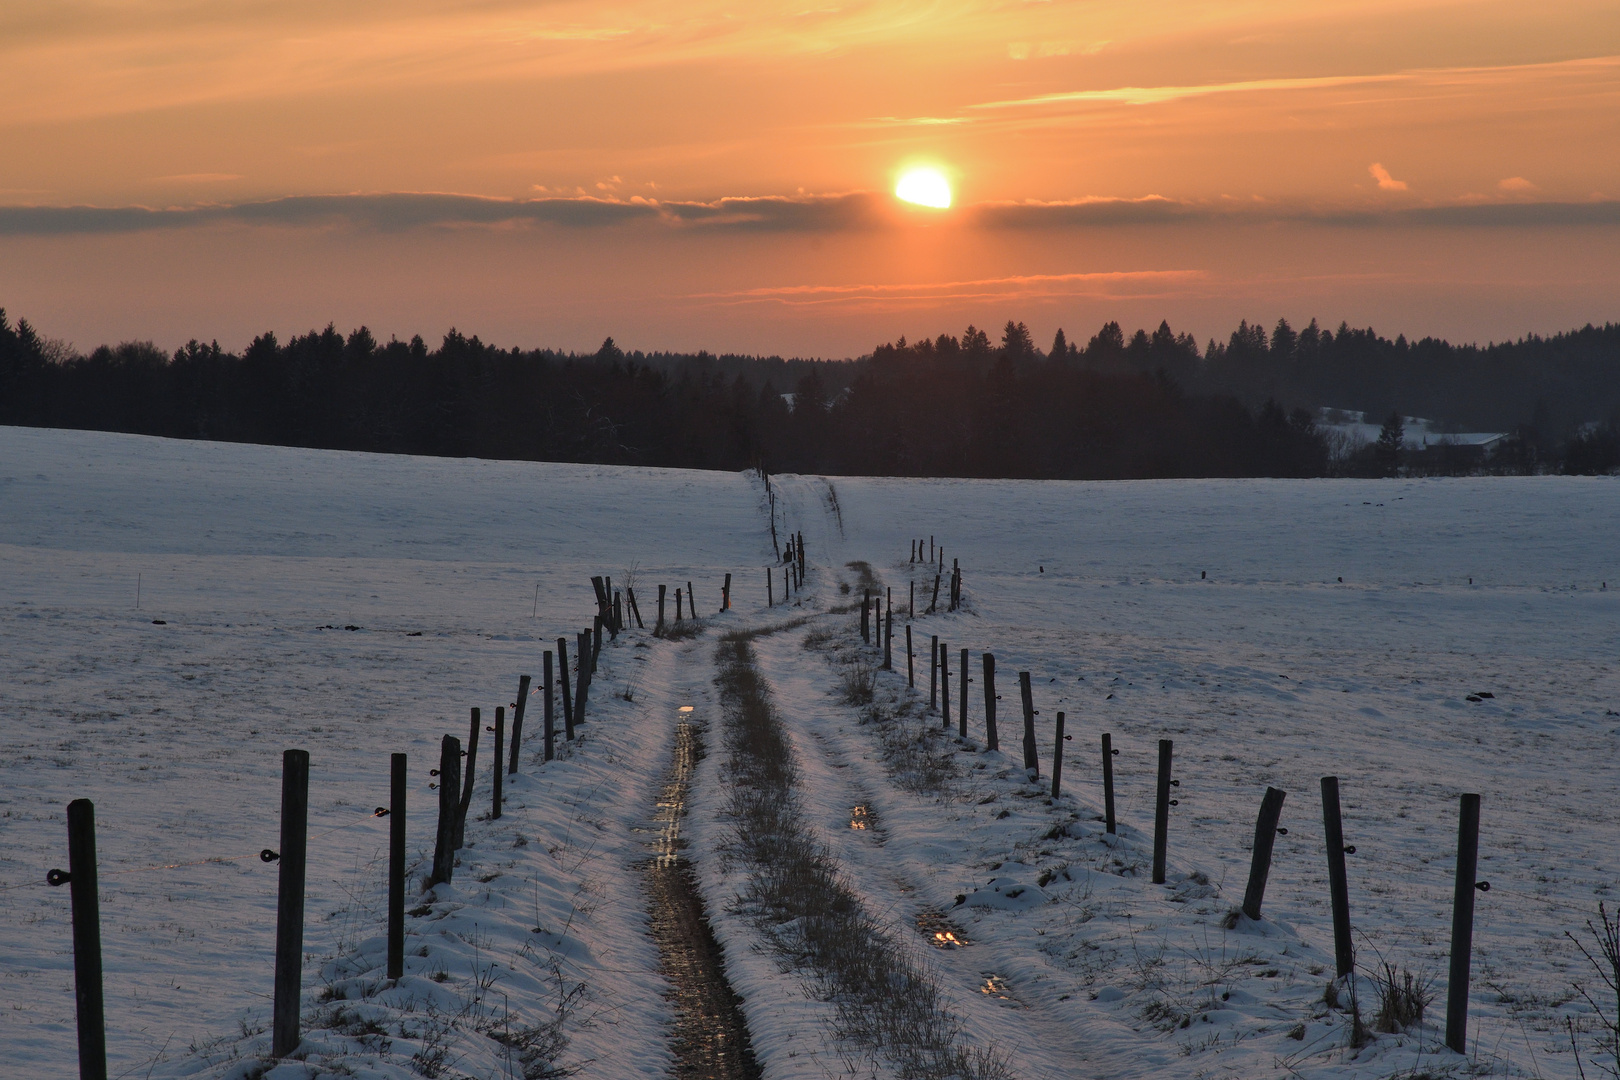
(940, 931)
(709, 1039)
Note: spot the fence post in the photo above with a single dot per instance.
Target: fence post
(658, 628)
(911, 608)
(618, 614)
(444, 850)
(596, 642)
(1057, 757)
(691, 601)
(1462, 924)
(467, 777)
(550, 732)
(518, 708)
(1108, 782)
(1030, 760)
(991, 741)
(396, 866)
(933, 672)
(961, 713)
(888, 640)
(934, 606)
(562, 666)
(770, 589)
(866, 616)
(582, 687)
(911, 667)
(1265, 837)
(725, 595)
(290, 902)
(500, 754)
(635, 608)
(1161, 813)
(945, 686)
(87, 992)
(678, 604)
(1338, 886)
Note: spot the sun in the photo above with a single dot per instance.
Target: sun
(925, 187)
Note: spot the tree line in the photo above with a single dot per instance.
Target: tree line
(1152, 405)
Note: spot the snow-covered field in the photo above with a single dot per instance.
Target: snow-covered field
(1269, 670)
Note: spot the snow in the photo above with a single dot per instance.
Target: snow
(1209, 612)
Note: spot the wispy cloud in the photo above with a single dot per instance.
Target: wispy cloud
(1153, 95)
(911, 294)
(197, 178)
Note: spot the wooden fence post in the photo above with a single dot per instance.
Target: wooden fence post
(991, 741)
(596, 643)
(691, 600)
(500, 755)
(290, 902)
(1265, 837)
(1024, 691)
(930, 548)
(518, 708)
(85, 896)
(1161, 813)
(1108, 782)
(635, 608)
(888, 640)
(1057, 757)
(562, 667)
(866, 615)
(1338, 885)
(933, 672)
(444, 849)
(911, 608)
(911, 667)
(582, 688)
(725, 595)
(1462, 923)
(618, 613)
(934, 606)
(677, 605)
(962, 713)
(770, 598)
(945, 686)
(467, 777)
(658, 627)
(397, 798)
(550, 732)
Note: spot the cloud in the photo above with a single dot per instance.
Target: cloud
(1516, 184)
(1091, 211)
(1153, 95)
(861, 211)
(197, 178)
(1386, 182)
(1022, 287)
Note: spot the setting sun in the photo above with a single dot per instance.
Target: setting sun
(925, 187)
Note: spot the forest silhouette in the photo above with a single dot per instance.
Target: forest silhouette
(1150, 405)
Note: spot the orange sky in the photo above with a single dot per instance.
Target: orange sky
(699, 175)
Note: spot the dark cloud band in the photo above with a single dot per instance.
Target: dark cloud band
(857, 211)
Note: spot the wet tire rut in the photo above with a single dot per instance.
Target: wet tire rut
(710, 1038)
